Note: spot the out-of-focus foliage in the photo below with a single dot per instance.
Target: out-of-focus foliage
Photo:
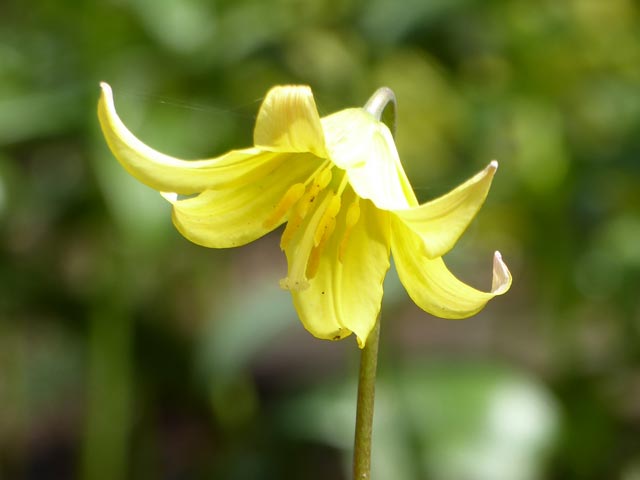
(442, 420)
(126, 352)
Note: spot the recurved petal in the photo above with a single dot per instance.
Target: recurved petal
(364, 147)
(165, 173)
(430, 283)
(234, 216)
(440, 222)
(288, 121)
(346, 292)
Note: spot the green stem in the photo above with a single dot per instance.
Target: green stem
(364, 415)
(377, 106)
(109, 399)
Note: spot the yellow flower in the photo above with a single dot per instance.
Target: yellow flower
(338, 184)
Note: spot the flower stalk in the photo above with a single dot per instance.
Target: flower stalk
(364, 414)
(376, 106)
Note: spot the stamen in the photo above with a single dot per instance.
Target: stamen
(324, 230)
(292, 195)
(317, 230)
(326, 165)
(324, 178)
(353, 215)
(303, 248)
(343, 183)
(314, 263)
(293, 224)
(328, 216)
(314, 258)
(303, 202)
(319, 183)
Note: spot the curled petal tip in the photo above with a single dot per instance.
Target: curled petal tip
(105, 87)
(493, 165)
(501, 275)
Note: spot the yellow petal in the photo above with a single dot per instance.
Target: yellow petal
(169, 174)
(234, 216)
(345, 296)
(288, 121)
(364, 147)
(432, 286)
(440, 222)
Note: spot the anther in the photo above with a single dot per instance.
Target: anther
(319, 183)
(324, 178)
(292, 195)
(313, 264)
(323, 232)
(353, 215)
(328, 217)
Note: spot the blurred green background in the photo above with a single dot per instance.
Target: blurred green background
(127, 352)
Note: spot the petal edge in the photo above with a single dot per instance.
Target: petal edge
(442, 221)
(165, 173)
(288, 121)
(433, 287)
(346, 293)
(364, 147)
(235, 216)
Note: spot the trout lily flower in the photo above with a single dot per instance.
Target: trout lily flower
(338, 184)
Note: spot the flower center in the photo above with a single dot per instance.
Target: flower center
(313, 211)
